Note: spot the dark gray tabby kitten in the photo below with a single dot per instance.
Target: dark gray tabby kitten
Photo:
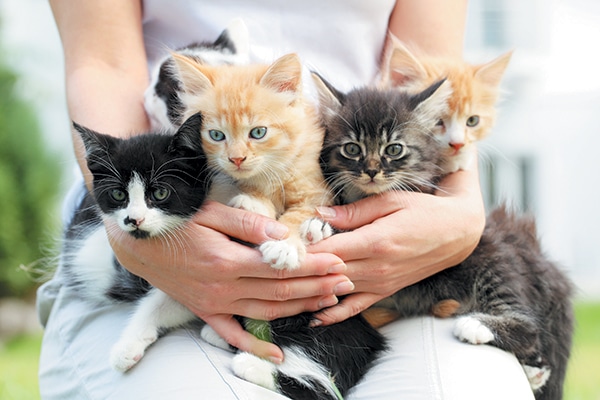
(161, 100)
(506, 293)
(149, 185)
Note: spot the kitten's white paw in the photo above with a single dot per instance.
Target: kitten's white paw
(256, 370)
(127, 352)
(314, 230)
(470, 329)
(537, 376)
(249, 203)
(212, 337)
(281, 254)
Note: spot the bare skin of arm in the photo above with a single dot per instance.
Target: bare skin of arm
(400, 239)
(106, 72)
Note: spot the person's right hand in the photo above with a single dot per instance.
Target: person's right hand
(216, 278)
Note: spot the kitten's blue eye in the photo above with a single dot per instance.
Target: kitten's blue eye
(473, 121)
(351, 150)
(216, 135)
(394, 150)
(160, 194)
(118, 195)
(258, 133)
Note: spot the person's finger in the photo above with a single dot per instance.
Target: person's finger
(348, 307)
(234, 334)
(243, 225)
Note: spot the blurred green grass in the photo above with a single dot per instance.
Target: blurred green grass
(19, 361)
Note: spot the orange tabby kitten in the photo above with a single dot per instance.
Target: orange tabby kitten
(262, 141)
(471, 107)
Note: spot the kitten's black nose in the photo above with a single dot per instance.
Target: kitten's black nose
(371, 173)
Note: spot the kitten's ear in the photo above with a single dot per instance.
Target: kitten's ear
(93, 141)
(431, 104)
(400, 66)
(491, 73)
(284, 75)
(329, 96)
(188, 136)
(235, 37)
(187, 70)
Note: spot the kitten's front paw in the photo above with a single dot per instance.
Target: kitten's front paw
(249, 203)
(212, 337)
(281, 254)
(537, 376)
(470, 329)
(314, 230)
(256, 370)
(128, 352)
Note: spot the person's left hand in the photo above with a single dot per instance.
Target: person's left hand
(400, 238)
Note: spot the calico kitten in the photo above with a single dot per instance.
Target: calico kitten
(507, 293)
(161, 100)
(262, 141)
(471, 114)
(150, 185)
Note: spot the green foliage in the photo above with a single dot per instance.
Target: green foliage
(18, 368)
(29, 177)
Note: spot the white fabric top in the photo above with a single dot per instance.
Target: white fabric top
(340, 39)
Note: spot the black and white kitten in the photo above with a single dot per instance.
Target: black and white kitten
(162, 101)
(150, 185)
(506, 293)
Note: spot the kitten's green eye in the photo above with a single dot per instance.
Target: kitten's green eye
(351, 150)
(258, 133)
(473, 121)
(118, 195)
(160, 194)
(394, 150)
(216, 135)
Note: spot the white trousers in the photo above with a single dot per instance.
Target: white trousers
(425, 361)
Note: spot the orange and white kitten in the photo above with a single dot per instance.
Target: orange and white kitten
(472, 110)
(262, 141)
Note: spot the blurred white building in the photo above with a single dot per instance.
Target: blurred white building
(542, 156)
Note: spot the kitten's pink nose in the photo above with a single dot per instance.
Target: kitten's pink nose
(237, 160)
(134, 221)
(457, 146)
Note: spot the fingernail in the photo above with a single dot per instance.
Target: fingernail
(276, 360)
(326, 212)
(343, 287)
(337, 269)
(276, 231)
(328, 302)
(315, 322)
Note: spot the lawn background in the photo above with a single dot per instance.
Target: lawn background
(19, 361)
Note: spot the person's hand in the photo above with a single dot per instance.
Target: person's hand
(400, 238)
(217, 278)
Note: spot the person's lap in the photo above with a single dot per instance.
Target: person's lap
(424, 362)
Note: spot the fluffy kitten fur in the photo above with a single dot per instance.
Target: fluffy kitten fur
(471, 113)
(262, 141)
(149, 185)
(161, 99)
(506, 293)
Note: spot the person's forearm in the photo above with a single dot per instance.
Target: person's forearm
(436, 27)
(105, 66)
